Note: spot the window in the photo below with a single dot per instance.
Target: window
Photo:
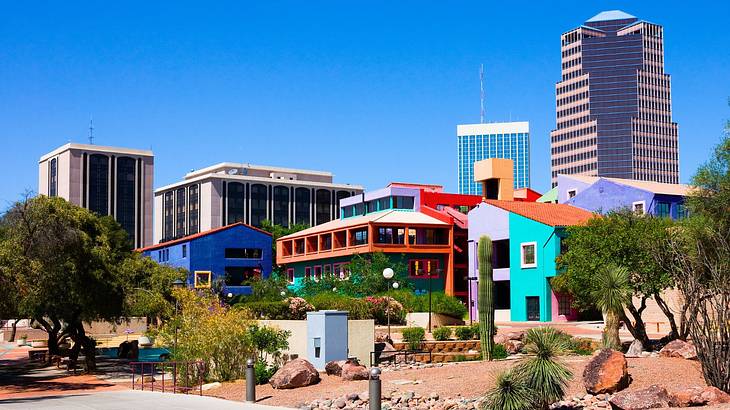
(299, 246)
(383, 203)
(571, 193)
(53, 180)
(308, 273)
(241, 276)
(302, 200)
(348, 211)
(281, 206)
(639, 207)
(528, 257)
(564, 303)
(180, 216)
(360, 237)
(185, 251)
(412, 236)
(386, 235)
(258, 204)
(341, 270)
(403, 202)
(327, 270)
(290, 275)
(317, 273)
(99, 184)
(325, 242)
(662, 209)
(681, 211)
(500, 250)
(202, 279)
(169, 228)
(236, 202)
(323, 206)
(243, 253)
(193, 210)
(423, 268)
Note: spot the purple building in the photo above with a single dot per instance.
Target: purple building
(613, 103)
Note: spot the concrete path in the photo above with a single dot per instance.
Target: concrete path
(126, 400)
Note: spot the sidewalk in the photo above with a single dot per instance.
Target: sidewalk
(125, 400)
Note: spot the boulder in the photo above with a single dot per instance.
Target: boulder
(128, 350)
(513, 346)
(635, 349)
(679, 348)
(520, 335)
(296, 373)
(334, 368)
(386, 350)
(699, 396)
(653, 397)
(606, 372)
(500, 339)
(352, 370)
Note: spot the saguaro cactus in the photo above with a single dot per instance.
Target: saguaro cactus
(486, 297)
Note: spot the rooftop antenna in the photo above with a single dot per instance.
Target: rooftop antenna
(481, 93)
(91, 131)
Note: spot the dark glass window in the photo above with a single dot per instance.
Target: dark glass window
(302, 200)
(169, 224)
(340, 196)
(281, 206)
(681, 211)
(243, 253)
(241, 276)
(360, 237)
(501, 294)
(323, 204)
(180, 212)
(383, 203)
(258, 204)
(390, 235)
(193, 209)
(403, 202)
(185, 251)
(359, 209)
(53, 180)
(662, 209)
(501, 254)
(236, 202)
(99, 184)
(125, 194)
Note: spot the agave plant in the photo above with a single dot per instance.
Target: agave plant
(510, 392)
(544, 375)
(611, 296)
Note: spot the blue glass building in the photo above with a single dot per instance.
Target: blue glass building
(476, 142)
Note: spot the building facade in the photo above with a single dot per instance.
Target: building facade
(607, 194)
(227, 258)
(413, 224)
(106, 180)
(477, 142)
(613, 103)
(227, 193)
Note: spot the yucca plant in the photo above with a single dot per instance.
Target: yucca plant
(546, 377)
(510, 392)
(612, 295)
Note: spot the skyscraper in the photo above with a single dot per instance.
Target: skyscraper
(613, 103)
(106, 180)
(476, 142)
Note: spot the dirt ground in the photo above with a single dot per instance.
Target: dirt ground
(468, 379)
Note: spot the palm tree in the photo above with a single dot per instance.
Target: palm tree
(611, 296)
(545, 376)
(510, 392)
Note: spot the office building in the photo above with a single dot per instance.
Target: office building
(477, 142)
(227, 193)
(106, 180)
(613, 103)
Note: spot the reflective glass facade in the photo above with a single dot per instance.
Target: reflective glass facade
(509, 145)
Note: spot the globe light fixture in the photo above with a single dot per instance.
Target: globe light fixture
(388, 273)
(230, 295)
(395, 285)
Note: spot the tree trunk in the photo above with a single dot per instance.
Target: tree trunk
(674, 333)
(13, 329)
(638, 327)
(611, 337)
(82, 341)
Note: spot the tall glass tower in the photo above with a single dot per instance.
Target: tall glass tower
(476, 142)
(613, 103)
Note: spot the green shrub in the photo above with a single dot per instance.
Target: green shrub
(273, 310)
(357, 308)
(263, 371)
(475, 331)
(465, 332)
(440, 303)
(499, 352)
(413, 336)
(511, 392)
(442, 333)
(379, 307)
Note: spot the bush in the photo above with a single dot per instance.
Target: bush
(442, 333)
(379, 306)
(273, 310)
(499, 352)
(511, 392)
(440, 303)
(464, 333)
(263, 371)
(414, 337)
(357, 308)
(475, 332)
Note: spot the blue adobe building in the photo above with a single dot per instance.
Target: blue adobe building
(234, 254)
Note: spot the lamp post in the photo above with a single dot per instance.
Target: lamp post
(469, 280)
(176, 284)
(388, 275)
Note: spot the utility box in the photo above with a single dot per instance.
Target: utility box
(326, 337)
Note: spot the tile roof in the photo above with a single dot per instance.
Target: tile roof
(198, 235)
(390, 216)
(546, 213)
(650, 186)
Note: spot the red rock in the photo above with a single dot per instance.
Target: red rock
(606, 372)
(500, 339)
(699, 396)
(653, 397)
(521, 335)
(296, 373)
(513, 346)
(679, 348)
(334, 368)
(352, 370)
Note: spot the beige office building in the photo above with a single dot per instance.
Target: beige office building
(228, 192)
(106, 180)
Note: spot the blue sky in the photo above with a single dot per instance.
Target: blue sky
(371, 91)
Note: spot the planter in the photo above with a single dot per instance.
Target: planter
(39, 343)
(437, 319)
(144, 341)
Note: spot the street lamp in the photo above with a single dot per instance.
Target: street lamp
(388, 275)
(176, 284)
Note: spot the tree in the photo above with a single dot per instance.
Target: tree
(698, 254)
(486, 297)
(612, 296)
(625, 239)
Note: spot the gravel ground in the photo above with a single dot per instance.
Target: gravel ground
(467, 379)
